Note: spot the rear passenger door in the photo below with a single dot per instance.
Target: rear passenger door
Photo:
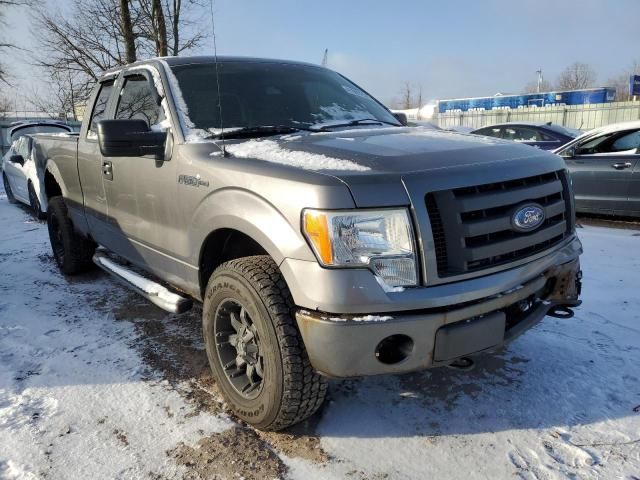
(602, 170)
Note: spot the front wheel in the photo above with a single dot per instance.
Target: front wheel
(254, 347)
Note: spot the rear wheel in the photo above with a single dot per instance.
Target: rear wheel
(73, 253)
(35, 204)
(7, 189)
(254, 347)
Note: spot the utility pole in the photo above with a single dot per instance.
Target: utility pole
(325, 57)
(539, 72)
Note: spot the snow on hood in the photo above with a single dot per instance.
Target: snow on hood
(271, 151)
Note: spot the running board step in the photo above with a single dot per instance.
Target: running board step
(152, 291)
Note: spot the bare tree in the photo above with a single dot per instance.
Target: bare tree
(183, 32)
(532, 87)
(5, 44)
(101, 34)
(407, 96)
(127, 31)
(576, 76)
(65, 95)
(621, 82)
(5, 107)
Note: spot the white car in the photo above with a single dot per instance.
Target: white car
(23, 176)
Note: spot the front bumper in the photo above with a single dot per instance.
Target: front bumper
(348, 345)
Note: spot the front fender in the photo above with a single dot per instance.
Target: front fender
(252, 215)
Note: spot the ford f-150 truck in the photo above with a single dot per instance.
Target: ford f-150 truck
(323, 237)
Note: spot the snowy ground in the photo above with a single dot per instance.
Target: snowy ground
(97, 383)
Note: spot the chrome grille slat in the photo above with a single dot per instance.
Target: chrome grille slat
(472, 227)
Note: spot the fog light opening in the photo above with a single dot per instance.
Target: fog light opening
(394, 349)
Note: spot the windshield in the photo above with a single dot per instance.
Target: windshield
(17, 133)
(274, 94)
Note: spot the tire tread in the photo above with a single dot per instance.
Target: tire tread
(304, 389)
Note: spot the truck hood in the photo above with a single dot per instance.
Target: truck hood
(377, 164)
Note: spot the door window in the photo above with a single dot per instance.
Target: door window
(489, 132)
(100, 108)
(614, 142)
(629, 142)
(23, 147)
(522, 134)
(138, 102)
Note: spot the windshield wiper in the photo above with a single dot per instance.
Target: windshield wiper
(353, 123)
(256, 131)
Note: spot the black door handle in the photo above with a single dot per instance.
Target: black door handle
(621, 166)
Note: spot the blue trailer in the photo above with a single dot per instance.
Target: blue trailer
(567, 97)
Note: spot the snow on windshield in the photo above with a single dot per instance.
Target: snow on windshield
(271, 151)
(191, 133)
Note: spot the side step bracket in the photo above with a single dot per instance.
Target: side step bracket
(152, 291)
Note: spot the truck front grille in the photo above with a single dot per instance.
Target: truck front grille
(472, 227)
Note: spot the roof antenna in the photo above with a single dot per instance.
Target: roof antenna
(215, 56)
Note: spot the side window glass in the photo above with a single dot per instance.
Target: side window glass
(100, 108)
(17, 146)
(627, 143)
(519, 134)
(489, 132)
(24, 148)
(613, 142)
(545, 137)
(138, 102)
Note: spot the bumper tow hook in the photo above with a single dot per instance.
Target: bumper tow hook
(560, 311)
(464, 363)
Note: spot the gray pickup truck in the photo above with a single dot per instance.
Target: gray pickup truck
(323, 237)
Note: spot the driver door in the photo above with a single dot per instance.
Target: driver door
(141, 192)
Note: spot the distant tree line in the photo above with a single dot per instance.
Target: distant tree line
(581, 75)
(575, 76)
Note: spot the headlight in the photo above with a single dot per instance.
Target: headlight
(381, 240)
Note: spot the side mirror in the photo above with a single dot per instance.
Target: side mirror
(19, 159)
(569, 153)
(402, 118)
(130, 138)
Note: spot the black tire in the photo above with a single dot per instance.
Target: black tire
(73, 253)
(7, 189)
(289, 390)
(35, 204)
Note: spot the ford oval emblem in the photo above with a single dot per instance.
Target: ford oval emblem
(527, 218)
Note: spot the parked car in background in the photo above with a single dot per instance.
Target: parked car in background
(605, 167)
(9, 134)
(547, 136)
(23, 175)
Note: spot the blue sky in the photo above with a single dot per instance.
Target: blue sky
(452, 48)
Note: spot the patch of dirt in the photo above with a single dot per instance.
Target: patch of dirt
(121, 436)
(234, 453)
(298, 441)
(172, 346)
